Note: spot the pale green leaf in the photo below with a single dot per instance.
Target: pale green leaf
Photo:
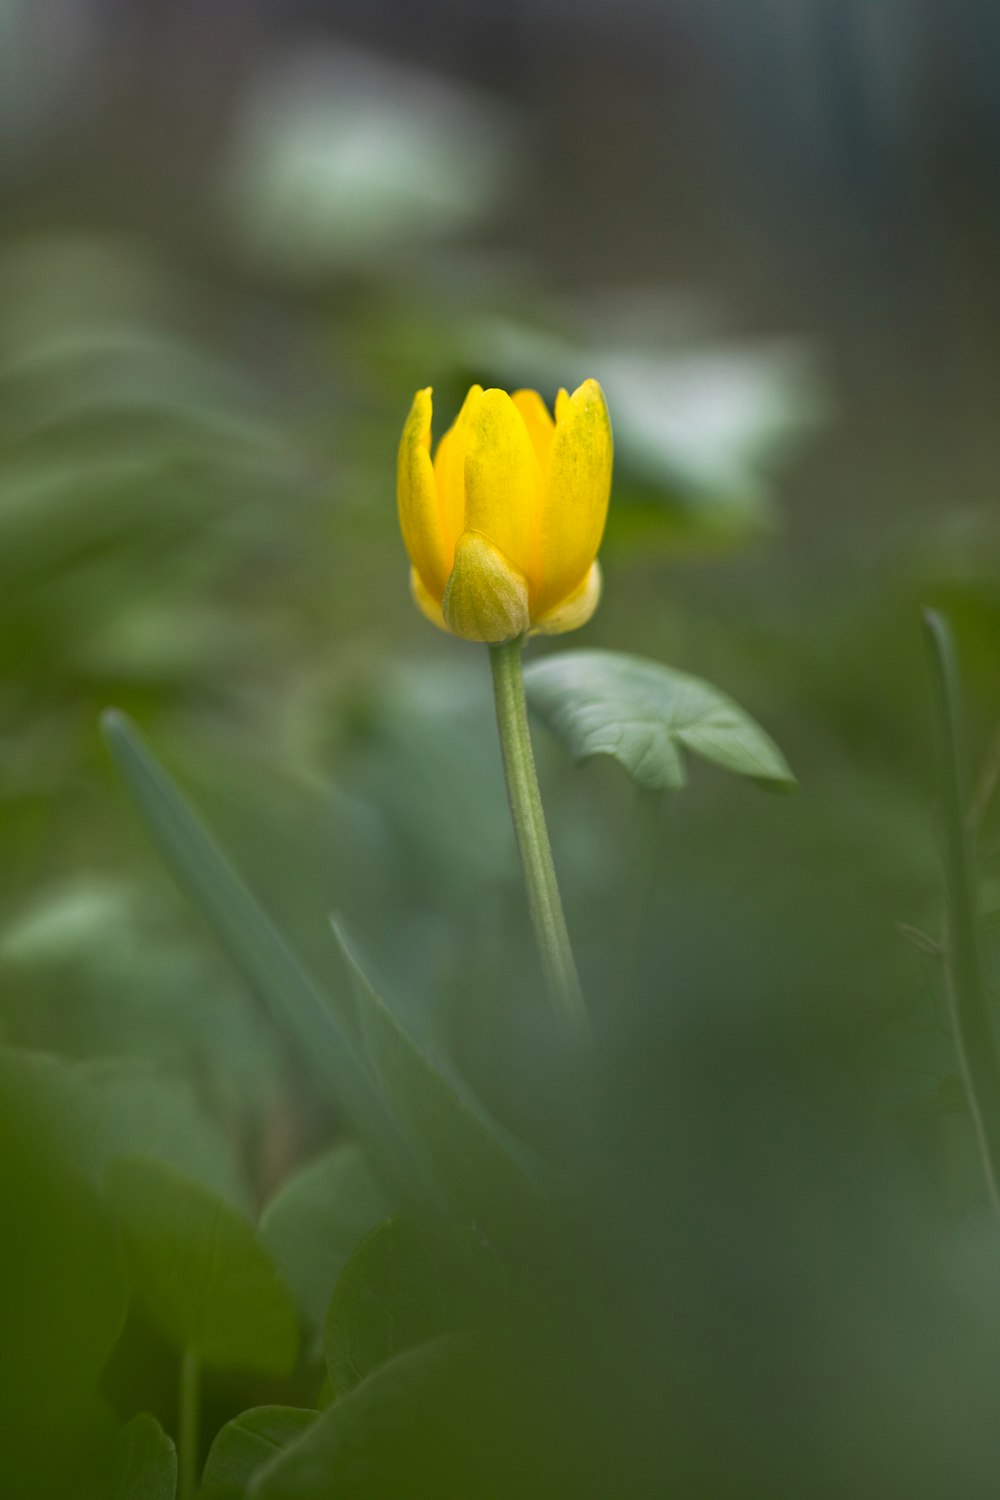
(645, 715)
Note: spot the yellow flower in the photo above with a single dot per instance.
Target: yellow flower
(503, 528)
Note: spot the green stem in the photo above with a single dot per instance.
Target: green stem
(973, 1024)
(528, 815)
(189, 1402)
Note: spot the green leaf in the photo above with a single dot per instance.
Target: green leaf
(423, 1138)
(316, 1221)
(202, 1270)
(644, 714)
(483, 1178)
(98, 1110)
(145, 1462)
(260, 952)
(63, 1298)
(398, 1433)
(388, 1298)
(250, 1440)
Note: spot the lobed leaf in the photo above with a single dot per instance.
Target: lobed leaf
(644, 715)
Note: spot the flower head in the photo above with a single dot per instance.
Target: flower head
(504, 526)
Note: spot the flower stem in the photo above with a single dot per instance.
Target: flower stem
(189, 1401)
(528, 816)
(971, 1011)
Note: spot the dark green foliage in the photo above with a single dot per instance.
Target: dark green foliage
(389, 1297)
(249, 1442)
(316, 1221)
(201, 1269)
(145, 1462)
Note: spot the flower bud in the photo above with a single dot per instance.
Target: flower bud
(504, 525)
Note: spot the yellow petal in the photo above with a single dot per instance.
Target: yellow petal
(576, 609)
(503, 480)
(538, 422)
(449, 473)
(416, 492)
(487, 597)
(578, 486)
(425, 602)
(562, 401)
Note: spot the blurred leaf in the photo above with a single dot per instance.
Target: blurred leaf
(703, 426)
(63, 1298)
(422, 1137)
(145, 1462)
(200, 1267)
(315, 1222)
(483, 1184)
(643, 714)
(908, 1064)
(385, 1438)
(100, 1110)
(262, 955)
(250, 1440)
(344, 155)
(388, 1298)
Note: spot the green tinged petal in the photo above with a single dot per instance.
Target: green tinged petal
(426, 602)
(575, 610)
(575, 503)
(416, 491)
(487, 596)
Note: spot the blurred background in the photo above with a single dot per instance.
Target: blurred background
(234, 239)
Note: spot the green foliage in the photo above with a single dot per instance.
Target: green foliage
(145, 1462)
(388, 1298)
(643, 714)
(97, 1111)
(418, 1130)
(63, 1297)
(316, 1220)
(467, 1165)
(717, 1270)
(384, 1438)
(250, 1441)
(259, 950)
(202, 1270)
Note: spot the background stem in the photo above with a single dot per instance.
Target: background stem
(188, 1409)
(527, 813)
(971, 1017)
